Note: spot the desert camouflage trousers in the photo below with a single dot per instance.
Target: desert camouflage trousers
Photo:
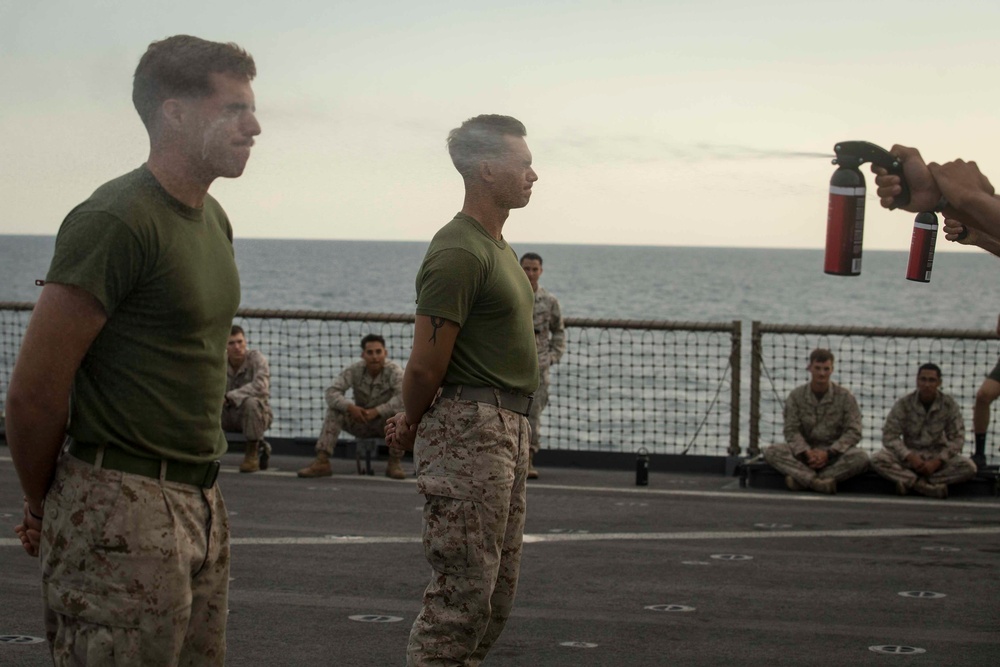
(472, 465)
(852, 462)
(337, 421)
(135, 571)
(251, 418)
(956, 469)
(537, 405)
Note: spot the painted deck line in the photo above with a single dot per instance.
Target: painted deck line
(774, 495)
(336, 540)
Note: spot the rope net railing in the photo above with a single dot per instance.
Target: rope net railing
(621, 385)
(878, 365)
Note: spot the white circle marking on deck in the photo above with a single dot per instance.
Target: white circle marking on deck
(578, 644)
(941, 549)
(731, 557)
(897, 650)
(375, 618)
(668, 607)
(20, 639)
(772, 526)
(926, 595)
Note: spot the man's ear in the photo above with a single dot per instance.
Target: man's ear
(173, 112)
(485, 171)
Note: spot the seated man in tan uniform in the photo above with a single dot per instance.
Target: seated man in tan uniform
(377, 385)
(922, 440)
(822, 427)
(247, 408)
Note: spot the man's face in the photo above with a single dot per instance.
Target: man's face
(220, 128)
(820, 372)
(928, 383)
(532, 269)
(236, 349)
(512, 174)
(374, 356)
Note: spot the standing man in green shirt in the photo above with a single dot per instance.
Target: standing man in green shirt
(132, 324)
(474, 342)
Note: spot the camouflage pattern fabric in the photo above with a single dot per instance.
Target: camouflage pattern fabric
(539, 401)
(472, 464)
(251, 418)
(135, 571)
(935, 433)
(337, 421)
(939, 431)
(838, 468)
(248, 391)
(550, 341)
(383, 392)
(832, 423)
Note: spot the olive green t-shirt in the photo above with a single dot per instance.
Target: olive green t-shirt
(474, 280)
(154, 379)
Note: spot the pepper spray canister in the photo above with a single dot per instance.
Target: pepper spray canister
(845, 222)
(642, 467)
(925, 229)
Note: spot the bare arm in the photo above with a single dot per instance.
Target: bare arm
(957, 232)
(65, 322)
(433, 343)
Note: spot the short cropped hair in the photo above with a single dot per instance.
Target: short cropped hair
(532, 256)
(180, 66)
(930, 367)
(821, 355)
(372, 338)
(237, 329)
(481, 138)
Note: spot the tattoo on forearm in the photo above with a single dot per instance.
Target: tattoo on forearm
(437, 323)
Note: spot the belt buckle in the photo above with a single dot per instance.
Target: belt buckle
(211, 474)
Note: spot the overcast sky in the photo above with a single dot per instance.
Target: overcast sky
(651, 122)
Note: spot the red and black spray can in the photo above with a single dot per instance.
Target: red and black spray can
(845, 222)
(925, 229)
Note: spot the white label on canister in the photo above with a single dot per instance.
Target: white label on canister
(847, 192)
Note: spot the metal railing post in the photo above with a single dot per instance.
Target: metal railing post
(756, 353)
(735, 365)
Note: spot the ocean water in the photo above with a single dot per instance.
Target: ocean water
(615, 282)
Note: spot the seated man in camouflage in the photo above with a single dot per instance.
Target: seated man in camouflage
(248, 389)
(922, 440)
(377, 386)
(822, 427)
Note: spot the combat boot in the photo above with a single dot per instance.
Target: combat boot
(532, 473)
(925, 488)
(250, 463)
(822, 485)
(394, 469)
(318, 468)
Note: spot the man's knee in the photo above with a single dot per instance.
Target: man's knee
(987, 393)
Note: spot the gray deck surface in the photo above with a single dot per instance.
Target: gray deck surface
(767, 577)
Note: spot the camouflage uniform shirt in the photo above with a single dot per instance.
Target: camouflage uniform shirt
(383, 392)
(910, 428)
(833, 422)
(550, 333)
(251, 380)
